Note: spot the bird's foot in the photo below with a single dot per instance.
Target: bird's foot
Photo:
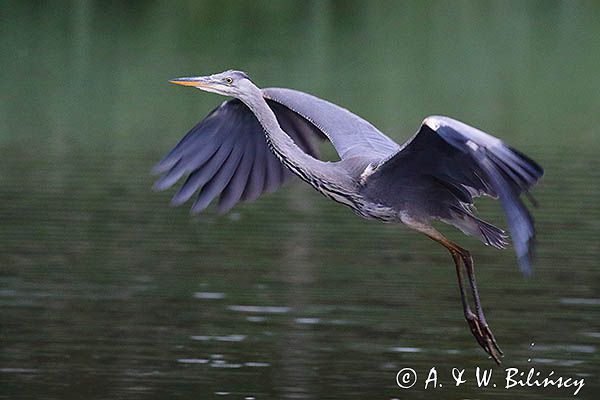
(484, 336)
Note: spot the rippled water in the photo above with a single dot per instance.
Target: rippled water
(107, 292)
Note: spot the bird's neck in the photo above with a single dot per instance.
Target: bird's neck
(289, 153)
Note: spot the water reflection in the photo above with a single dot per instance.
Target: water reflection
(260, 309)
(209, 295)
(225, 338)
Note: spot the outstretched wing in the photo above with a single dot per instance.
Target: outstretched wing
(227, 154)
(470, 163)
(351, 135)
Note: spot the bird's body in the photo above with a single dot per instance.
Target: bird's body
(254, 143)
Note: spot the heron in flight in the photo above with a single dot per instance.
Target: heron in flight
(258, 140)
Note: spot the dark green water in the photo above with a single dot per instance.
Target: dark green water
(106, 292)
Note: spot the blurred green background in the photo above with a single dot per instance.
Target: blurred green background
(107, 292)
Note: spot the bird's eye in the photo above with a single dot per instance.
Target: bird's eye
(229, 80)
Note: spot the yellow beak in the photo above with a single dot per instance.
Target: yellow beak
(183, 82)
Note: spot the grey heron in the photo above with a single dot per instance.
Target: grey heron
(258, 140)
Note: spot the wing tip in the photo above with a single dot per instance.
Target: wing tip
(539, 170)
(161, 185)
(525, 266)
(527, 258)
(223, 209)
(196, 210)
(176, 201)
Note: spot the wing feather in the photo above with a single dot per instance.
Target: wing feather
(219, 181)
(467, 162)
(226, 154)
(200, 176)
(197, 138)
(234, 190)
(351, 135)
(256, 180)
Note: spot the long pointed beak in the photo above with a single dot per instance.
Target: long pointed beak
(191, 81)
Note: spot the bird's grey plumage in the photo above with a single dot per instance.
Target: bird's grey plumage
(434, 175)
(253, 143)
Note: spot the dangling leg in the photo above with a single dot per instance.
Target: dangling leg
(470, 317)
(468, 261)
(477, 323)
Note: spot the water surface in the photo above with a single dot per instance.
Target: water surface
(107, 292)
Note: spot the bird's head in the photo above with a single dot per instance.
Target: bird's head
(229, 83)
